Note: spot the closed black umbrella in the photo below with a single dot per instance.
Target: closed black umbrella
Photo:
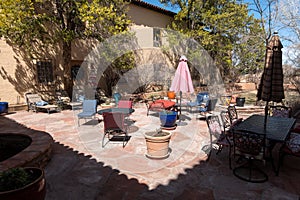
(271, 83)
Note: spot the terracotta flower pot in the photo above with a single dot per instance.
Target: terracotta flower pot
(158, 144)
(171, 95)
(36, 190)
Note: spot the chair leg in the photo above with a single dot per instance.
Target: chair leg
(229, 157)
(250, 173)
(103, 138)
(280, 162)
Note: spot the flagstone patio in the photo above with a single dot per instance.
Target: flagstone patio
(81, 169)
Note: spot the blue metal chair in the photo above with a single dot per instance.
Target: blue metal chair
(89, 108)
(117, 96)
(198, 101)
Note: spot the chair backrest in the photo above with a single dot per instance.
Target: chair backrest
(113, 121)
(214, 127)
(233, 115)
(249, 143)
(89, 105)
(117, 96)
(33, 98)
(279, 111)
(125, 104)
(225, 119)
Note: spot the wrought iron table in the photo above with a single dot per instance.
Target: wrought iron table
(119, 110)
(277, 128)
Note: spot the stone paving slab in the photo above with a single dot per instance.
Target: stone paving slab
(79, 169)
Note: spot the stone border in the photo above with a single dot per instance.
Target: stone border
(37, 154)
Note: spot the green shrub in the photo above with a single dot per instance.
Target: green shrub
(14, 178)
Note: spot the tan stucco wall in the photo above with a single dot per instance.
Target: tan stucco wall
(147, 17)
(8, 74)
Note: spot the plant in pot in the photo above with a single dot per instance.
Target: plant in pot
(22, 183)
(158, 144)
(168, 119)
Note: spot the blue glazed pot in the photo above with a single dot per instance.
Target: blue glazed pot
(3, 107)
(168, 118)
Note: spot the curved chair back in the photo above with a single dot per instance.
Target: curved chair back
(280, 111)
(233, 115)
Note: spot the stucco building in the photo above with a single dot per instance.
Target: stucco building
(17, 78)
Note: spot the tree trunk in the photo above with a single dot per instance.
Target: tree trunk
(67, 79)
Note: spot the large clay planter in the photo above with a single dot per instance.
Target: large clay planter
(171, 95)
(158, 144)
(36, 190)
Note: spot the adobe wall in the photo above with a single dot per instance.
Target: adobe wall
(147, 17)
(9, 62)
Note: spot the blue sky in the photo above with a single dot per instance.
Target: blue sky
(157, 3)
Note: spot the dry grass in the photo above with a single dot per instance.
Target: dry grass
(292, 99)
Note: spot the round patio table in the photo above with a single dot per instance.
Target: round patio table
(116, 110)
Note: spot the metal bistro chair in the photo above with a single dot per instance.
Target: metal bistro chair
(290, 147)
(226, 122)
(279, 111)
(115, 128)
(251, 146)
(233, 115)
(218, 137)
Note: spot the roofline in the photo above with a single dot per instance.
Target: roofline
(152, 7)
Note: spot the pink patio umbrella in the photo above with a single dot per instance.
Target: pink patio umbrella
(182, 81)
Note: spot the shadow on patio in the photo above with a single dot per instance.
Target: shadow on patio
(72, 174)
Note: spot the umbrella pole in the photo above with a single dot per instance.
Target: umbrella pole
(180, 94)
(266, 115)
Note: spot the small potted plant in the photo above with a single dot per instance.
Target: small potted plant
(17, 183)
(158, 144)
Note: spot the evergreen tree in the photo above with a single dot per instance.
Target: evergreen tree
(224, 28)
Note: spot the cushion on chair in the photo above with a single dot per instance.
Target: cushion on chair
(281, 113)
(192, 104)
(41, 103)
(215, 127)
(294, 142)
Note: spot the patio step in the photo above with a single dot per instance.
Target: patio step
(16, 107)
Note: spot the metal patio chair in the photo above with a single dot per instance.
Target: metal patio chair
(250, 146)
(218, 138)
(115, 128)
(89, 109)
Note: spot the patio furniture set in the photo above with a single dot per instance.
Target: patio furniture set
(254, 138)
(36, 103)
